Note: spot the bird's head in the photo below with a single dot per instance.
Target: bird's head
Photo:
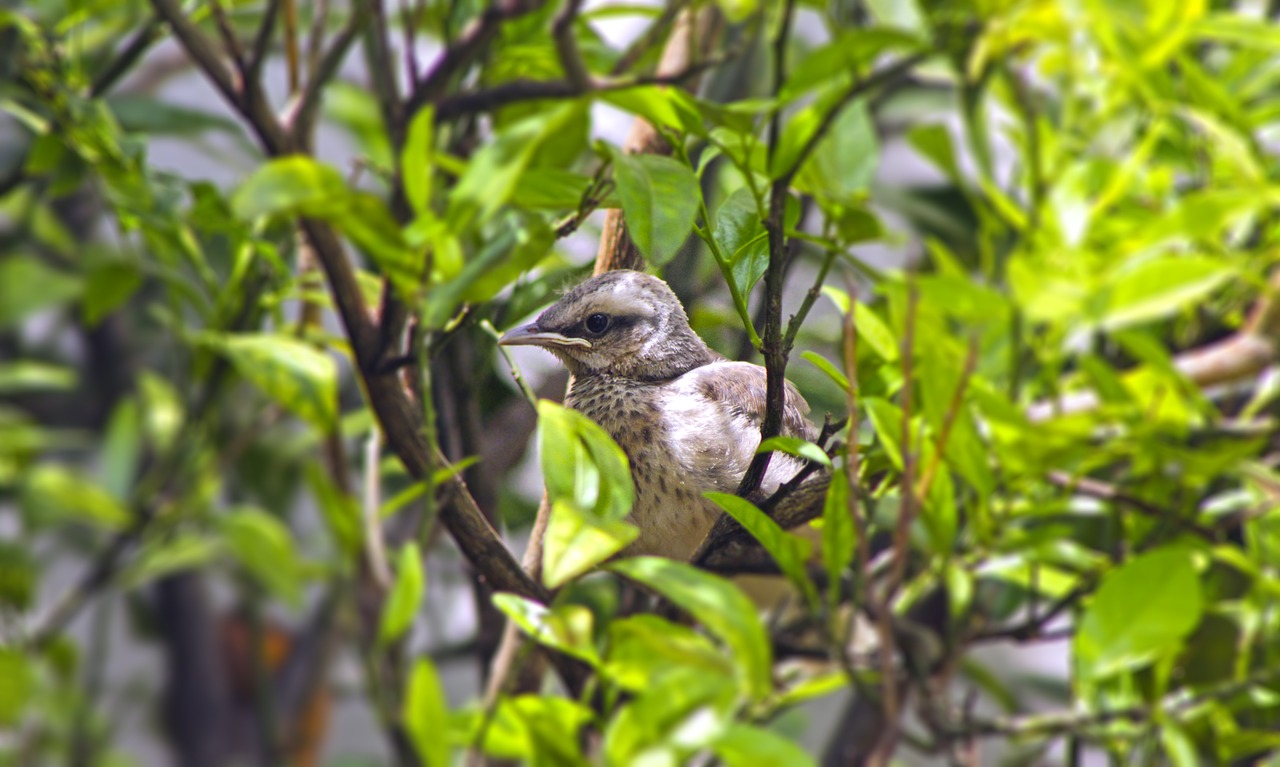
(620, 323)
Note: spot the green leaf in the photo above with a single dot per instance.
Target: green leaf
(843, 163)
(567, 628)
(552, 189)
(426, 714)
(934, 142)
(886, 419)
(659, 200)
(291, 372)
(109, 285)
(151, 116)
(17, 685)
(682, 711)
(540, 730)
(800, 448)
(264, 547)
(790, 551)
(121, 450)
(514, 251)
(838, 533)
(1160, 287)
(1239, 29)
(294, 185)
(575, 543)
(401, 605)
(28, 286)
(742, 239)
(1143, 610)
(494, 172)
(19, 577)
(163, 557)
(416, 161)
(725, 611)
(745, 746)
(644, 647)
(58, 490)
(738, 10)
(30, 376)
(581, 464)
(661, 106)
(828, 367)
(340, 510)
(162, 409)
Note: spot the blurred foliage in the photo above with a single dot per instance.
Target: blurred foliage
(1075, 194)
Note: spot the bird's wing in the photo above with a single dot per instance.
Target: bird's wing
(714, 414)
(741, 387)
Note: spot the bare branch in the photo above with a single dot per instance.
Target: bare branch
(575, 69)
(464, 50)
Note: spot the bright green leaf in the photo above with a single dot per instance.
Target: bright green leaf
(264, 547)
(402, 604)
(17, 685)
(800, 448)
(1142, 610)
(746, 746)
(725, 611)
(58, 490)
(575, 543)
(426, 714)
(790, 551)
(567, 628)
(291, 372)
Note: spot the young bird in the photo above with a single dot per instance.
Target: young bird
(688, 420)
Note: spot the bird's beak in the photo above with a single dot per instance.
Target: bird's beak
(530, 335)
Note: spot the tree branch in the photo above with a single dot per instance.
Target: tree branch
(464, 50)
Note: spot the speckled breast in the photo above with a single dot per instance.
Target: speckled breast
(669, 509)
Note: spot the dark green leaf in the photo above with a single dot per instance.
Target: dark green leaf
(659, 199)
(742, 239)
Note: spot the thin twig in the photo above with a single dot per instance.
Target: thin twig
(1064, 722)
(262, 41)
(775, 355)
(375, 548)
(301, 118)
(464, 51)
(575, 69)
(517, 91)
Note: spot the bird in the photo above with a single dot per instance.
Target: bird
(687, 419)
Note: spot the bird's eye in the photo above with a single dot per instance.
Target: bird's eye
(598, 323)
